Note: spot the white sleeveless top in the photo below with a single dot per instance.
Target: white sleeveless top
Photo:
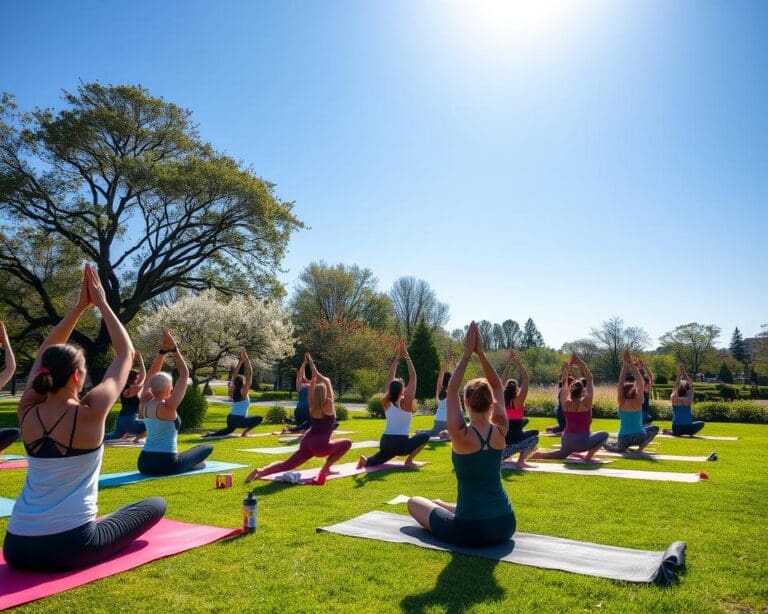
(442, 410)
(398, 421)
(59, 494)
(161, 434)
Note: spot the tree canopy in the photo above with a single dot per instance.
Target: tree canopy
(413, 301)
(692, 344)
(122, 179)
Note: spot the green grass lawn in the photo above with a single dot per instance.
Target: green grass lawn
(287, 567)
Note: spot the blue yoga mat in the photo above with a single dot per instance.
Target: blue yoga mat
(108, 480)
(6, 506)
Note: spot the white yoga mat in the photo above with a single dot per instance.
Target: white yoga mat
(528, 549)
(285, 449)
(631, 474)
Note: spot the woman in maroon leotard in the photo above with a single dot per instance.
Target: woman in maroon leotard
(317, 441)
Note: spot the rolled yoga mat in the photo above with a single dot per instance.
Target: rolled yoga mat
(346, 470)
(527, 549)
(631, 474)
(284, 449)
(107, 480)
(12, 461)
(166, 538)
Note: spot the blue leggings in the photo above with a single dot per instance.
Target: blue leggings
(170, 463)
(635, 439)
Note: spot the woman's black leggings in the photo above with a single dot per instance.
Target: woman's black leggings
(85, 545)
(687, 429)
(168, 463)
(7, 437)
(396, 445)
(237, 422)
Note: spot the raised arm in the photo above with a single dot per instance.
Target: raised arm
(522, 395)
(301, 372)
(565, 389)
(179, 389)
(393, 367)
(60, 334)
(248, 374)
(508, 366)
(439, 383)
(589, 389)
(318, 378)
(10, 360)
(410, 390)
(627, 360)
(167, 345)
(142, 370)
(499, 415)
(455, 420)
(103, 396)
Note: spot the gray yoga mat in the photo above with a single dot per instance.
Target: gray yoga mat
(527, 549)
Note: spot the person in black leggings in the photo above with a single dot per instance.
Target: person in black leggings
(239, 387)
(53, 526)
(7, 435)
(128, 422)
(160, 398)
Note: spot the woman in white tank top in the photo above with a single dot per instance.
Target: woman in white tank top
(398, 409)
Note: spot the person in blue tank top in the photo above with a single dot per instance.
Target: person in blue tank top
(682, 399)
(482, 515)
(159, 401)
(632, 432)
(301, 420)
(7, 435)
(239, 387)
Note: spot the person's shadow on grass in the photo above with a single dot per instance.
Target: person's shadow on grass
(464, 582)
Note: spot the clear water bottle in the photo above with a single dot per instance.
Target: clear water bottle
(250, 513)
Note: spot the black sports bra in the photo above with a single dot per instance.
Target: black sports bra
(46, 446)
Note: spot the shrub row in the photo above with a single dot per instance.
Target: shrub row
(277, 414)
(717, 392)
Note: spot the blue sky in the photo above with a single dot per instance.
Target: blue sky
(561, 161)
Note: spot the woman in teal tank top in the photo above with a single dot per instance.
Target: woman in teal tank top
(631, 402)
(482, 515)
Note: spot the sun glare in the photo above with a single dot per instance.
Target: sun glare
(518, 23)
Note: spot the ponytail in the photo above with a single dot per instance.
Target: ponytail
(57, 364)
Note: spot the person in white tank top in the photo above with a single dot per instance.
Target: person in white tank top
(398, 410)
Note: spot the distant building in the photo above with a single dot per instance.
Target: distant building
(751, 345)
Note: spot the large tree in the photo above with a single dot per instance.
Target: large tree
(211, 331)
(612, 338)
(413, 301)
(124, 179)
(340, 292)
(512, 334)
(737, 347)
(692, 344)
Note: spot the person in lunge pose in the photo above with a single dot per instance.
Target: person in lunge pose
(159, 401)
(128, 422)
(7, 435)
(518, 440)
(398, 409)
(482, 515)
(239, 387)
(647, 376)
(682, 399)
(441, 393)
(577, 407)
(630, 400)
(317, 441)
(53, 525)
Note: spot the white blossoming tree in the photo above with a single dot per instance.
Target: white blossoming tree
(211, 332)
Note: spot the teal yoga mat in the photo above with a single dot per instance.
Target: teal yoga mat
(6, 507)
(109, 480)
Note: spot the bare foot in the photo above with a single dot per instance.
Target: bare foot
(524, 465)
(200, 465)
(361, 461)
(253, 475)
(410, 464)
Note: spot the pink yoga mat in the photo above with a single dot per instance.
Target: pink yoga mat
(346, 470)
(164, 539)
(19, 464)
